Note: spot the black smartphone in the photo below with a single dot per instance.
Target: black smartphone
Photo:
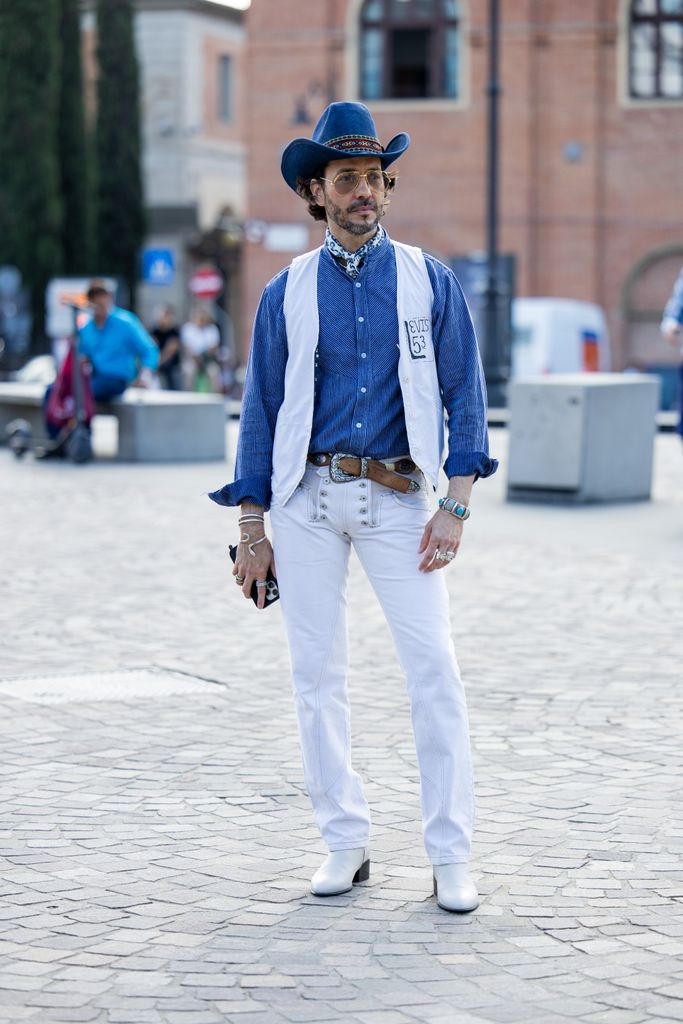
(272, 590)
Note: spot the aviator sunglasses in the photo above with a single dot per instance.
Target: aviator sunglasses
(348, 181)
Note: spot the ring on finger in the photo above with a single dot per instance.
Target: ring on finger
(239, 580)
(261, 583)
(449, 556)
(441, 557)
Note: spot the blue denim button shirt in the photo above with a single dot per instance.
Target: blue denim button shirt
(358, 402)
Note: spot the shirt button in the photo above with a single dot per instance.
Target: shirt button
(357, 284)
(361, 319)
(363, 355)
(364, 390)
(359, 425)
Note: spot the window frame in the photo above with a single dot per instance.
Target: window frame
(225, 61)
(657, 20)
(437, 26)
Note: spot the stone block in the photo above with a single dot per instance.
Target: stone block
(578, 438)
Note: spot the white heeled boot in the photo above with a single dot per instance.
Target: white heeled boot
(340, 871)
(454, 889)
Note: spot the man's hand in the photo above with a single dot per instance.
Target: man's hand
(442, 533)
(251, 567)
(671, 331)
(145, 378)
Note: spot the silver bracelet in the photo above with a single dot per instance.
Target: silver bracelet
(454, 508)
(251, 544)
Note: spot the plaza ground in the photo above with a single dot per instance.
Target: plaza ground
(155, 836)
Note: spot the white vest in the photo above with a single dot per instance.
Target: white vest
(423, 405)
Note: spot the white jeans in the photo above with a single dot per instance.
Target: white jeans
(312, 537)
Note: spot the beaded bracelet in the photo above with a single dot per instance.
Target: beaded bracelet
(454, 508)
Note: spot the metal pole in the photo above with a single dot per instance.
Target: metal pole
(496, 375)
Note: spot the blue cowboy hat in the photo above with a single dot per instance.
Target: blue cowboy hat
(345, 129)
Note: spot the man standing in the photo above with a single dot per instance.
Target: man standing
(357, 349)
(166, 334)
(672, 330)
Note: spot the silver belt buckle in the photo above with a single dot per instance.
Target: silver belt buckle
(338, 475)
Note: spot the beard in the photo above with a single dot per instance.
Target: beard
(341, 217)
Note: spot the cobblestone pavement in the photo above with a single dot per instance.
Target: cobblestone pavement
(156, 841)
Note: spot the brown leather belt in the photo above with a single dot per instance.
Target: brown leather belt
(344, 467)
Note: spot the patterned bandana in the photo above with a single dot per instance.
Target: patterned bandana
(353, 261)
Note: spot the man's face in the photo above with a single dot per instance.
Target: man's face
(101, 305)
(358, 211)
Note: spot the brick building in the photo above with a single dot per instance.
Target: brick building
(591, 189)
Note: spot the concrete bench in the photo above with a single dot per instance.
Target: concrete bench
(154, 426)
(576, 438)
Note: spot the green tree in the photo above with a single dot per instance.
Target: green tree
(30, 204)
(120, 207)
(74, 158)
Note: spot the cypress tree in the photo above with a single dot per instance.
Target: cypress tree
(120, 210)
(30, 205)
(73, 150)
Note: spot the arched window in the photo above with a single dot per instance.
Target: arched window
(409, 49)
(656, 50)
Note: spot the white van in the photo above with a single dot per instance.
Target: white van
(558, 336)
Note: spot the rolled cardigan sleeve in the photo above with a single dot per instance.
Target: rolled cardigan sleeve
(461, 377)
(264, 389)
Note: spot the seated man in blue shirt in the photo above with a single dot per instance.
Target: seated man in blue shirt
(358, 350)
(117, 346)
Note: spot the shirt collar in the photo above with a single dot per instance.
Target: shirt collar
(353, 261)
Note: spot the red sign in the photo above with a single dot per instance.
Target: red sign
(206, 283)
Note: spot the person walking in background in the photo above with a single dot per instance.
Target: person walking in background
(166, 333)
(357, 349)
(201, 342)
(672, 329)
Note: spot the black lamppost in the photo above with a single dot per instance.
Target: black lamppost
(494, 364)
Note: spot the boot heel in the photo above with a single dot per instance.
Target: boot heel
(363, 872)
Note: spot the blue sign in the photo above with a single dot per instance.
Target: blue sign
(158, 266)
